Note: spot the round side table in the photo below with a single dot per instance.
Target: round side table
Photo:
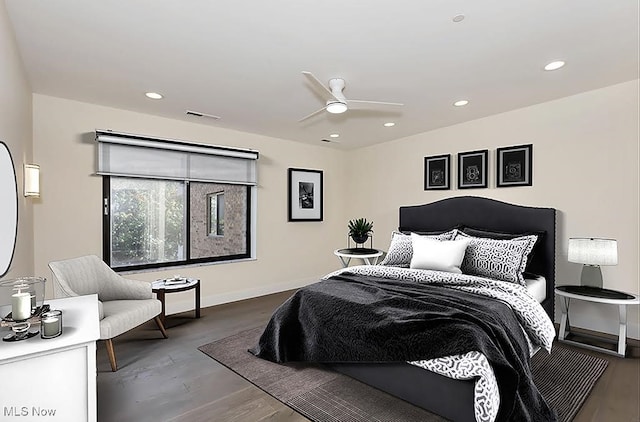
(162, 287)
(597, 295)
(368, 255)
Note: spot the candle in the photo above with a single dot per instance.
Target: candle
(51, 324)
(50, 327)
(20, 306)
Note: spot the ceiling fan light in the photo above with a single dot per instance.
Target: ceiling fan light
(336, 107)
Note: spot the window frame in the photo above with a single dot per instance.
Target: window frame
(106, 231)
(210, 196)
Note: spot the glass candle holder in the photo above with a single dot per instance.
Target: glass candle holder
(21, 298)
(51, 324)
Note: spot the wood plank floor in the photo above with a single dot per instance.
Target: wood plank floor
(170, 380)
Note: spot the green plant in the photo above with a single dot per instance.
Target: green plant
(360, 227)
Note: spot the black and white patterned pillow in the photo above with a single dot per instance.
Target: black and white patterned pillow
(401, 250)
(499, 259)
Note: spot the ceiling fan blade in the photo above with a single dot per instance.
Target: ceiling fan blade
(312, 114)
(319, 86)
(374, 102)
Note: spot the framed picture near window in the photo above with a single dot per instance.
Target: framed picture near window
(305, 195)
(514, 166)
(472, 169)
(437, 172)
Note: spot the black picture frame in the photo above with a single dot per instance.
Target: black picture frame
(437, 172)
(305, 195)
(472, 169)
(514, 166)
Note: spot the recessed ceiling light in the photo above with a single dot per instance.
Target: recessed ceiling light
(335, 135)
(461, 103)
(458, 18)
(389, 124)
(554, 65)
(153, 95)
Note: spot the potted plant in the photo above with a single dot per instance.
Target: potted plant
(360, 229)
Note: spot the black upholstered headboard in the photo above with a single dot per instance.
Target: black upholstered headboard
(489, 214)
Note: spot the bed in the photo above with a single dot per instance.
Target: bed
(454, 398)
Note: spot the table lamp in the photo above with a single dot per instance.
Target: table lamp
(593, 253)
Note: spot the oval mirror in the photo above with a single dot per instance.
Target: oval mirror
(8, 209)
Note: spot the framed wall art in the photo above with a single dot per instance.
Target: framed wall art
(305, 195)
(472, 169)
(514, 166)
(437, 171)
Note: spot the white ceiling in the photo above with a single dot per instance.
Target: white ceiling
(242, 60)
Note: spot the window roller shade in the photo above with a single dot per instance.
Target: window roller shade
(136, 156)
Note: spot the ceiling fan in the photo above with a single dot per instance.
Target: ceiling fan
(336, 102)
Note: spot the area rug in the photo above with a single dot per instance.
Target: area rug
(565, 378)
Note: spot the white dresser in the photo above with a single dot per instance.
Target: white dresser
(53, 379)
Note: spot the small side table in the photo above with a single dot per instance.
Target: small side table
(368, 255)
(160, 288)
(594, 294)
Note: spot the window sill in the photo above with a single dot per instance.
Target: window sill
(174, 267)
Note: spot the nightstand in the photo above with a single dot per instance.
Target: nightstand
(368, 255)
(594, 294)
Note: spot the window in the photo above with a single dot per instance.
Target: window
(216, 213)
(190, 209)
(147, 221)
(146, 225)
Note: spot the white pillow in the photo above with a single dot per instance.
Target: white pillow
(437, 255)
(400, 250)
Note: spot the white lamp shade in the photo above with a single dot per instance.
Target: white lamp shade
(593, 251)
(31, 180)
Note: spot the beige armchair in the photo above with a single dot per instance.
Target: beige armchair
(123, 304)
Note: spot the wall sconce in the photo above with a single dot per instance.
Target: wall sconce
(32, 180)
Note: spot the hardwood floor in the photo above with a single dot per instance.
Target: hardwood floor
(170, 380)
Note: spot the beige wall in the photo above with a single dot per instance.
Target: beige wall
(15, 131)
(585, 152)
(68, 217)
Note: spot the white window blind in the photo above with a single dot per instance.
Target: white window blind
(122, 154)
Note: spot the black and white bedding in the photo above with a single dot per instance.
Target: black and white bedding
(458, 325)
(474, 365)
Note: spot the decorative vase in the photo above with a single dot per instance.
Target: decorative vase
(360, 238)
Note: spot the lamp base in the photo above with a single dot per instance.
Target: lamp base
(591, 276)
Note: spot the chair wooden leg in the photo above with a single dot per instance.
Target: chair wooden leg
(161, 326)
(112, 355)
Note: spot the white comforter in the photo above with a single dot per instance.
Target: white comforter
(533, 319)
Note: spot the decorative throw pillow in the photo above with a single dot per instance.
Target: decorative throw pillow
(499, 259)
(492, 234)
(437, 255)
(400, 249)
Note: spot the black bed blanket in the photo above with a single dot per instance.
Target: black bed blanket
(352, 318)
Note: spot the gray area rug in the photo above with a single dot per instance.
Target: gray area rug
(565, 379)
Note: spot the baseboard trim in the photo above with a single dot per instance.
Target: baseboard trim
(178, 306)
